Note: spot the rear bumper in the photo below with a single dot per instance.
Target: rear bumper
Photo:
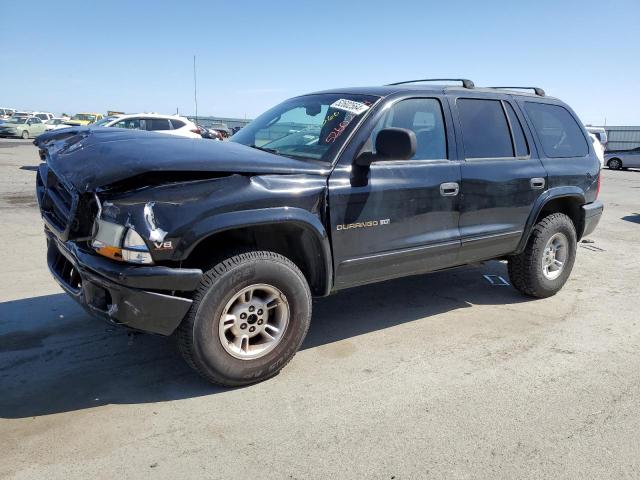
(592, 213)
(119, 293)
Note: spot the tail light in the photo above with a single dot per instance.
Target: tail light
(598, 187)
(196, 130)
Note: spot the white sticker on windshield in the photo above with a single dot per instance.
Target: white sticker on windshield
(350, 106)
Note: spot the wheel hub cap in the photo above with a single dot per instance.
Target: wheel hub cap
(254, 321)
(554, 256)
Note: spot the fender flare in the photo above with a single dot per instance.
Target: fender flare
(549, 195)
(264, 216)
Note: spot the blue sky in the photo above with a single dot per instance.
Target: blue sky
(138, 56)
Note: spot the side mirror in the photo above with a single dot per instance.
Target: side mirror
(395, 144)
(391, 144)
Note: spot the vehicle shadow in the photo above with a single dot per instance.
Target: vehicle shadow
(55, 358)
(635, 218)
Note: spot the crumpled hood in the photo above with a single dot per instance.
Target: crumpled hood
(94, 157)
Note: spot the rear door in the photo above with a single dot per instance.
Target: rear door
(567, 155)
(405, 220)
(502, 175)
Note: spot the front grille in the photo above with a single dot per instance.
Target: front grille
(57, 202)
(64, 270)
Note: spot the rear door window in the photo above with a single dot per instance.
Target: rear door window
(559, 133)
(158, 124)
(485, 131)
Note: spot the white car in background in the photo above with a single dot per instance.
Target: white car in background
(6, 112)
(600, 133)
(53, 123)
(597, 146)
(44, 116)
(153, 122)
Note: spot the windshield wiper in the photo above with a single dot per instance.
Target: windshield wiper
(265, 149)
(277, 152)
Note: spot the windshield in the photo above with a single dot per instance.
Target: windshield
(84, 116)
(312, 127)
(18, 119)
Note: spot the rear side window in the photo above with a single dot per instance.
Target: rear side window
(485, 131)
(522, 149)
(559, 133)
(176, 124)
(158, 124)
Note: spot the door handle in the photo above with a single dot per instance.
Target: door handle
(537, 183)
(449, 189)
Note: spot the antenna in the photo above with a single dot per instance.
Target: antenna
(195, 87)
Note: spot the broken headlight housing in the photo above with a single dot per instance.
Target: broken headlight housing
(120, 243)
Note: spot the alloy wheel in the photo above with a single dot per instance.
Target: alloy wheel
(254, 321)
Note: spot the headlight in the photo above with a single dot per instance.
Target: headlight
(120, 243)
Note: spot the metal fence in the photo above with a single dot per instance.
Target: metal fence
(229, 122)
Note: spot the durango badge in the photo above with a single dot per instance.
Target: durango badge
(367, 224)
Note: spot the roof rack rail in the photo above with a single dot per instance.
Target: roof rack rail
(538, 91)
(465, 83)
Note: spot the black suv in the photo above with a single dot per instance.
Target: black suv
(225, 243)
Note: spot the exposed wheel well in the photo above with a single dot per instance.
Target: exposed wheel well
(297, 243)
(570, 206)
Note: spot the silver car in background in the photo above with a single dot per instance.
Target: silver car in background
(617, 159)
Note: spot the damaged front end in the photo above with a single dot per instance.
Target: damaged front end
(123, 210)
(108, 268)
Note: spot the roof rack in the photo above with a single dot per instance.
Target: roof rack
(465, 83)
(538, 91)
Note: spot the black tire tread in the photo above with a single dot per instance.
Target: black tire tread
(522, 267)
(184, 333)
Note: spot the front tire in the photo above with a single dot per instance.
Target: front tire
(544, 266)
(249, 316)
(615, 164)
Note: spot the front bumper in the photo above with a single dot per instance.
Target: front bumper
(122, 294)
(592, 213)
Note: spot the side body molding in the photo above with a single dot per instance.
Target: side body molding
(567, 191)
(264, 216)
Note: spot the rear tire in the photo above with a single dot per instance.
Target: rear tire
(544, 266)
(25, 135)
(614, 164)
(214, 338)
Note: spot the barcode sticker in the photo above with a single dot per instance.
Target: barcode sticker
(350, 106)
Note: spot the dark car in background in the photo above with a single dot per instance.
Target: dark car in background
(209, 133)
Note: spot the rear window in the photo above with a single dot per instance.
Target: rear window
(559, 133)
(176, 124)
(485, 131)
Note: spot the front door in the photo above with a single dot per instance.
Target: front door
(502, 176)
(405, 219)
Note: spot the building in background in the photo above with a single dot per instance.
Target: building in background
(622, 138)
